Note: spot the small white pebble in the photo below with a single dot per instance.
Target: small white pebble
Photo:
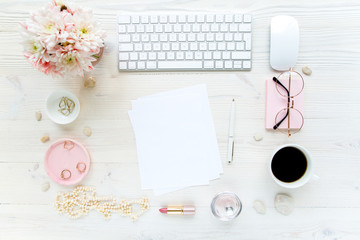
(306, 70)
(38, 116)
(45, 138)
(45, 186)
(284, 204)
(259, 206)
(87, 131)
(258, 136)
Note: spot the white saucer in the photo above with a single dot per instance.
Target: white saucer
(52, 107)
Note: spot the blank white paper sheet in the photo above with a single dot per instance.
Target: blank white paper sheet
(175, 139)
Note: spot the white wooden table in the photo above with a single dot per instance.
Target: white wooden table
(325, 209)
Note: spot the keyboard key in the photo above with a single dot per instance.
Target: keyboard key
(200, 18)
(210, 37)
(124, 38)
(145, 38)
(241, 55)
(196, 28)
(224, 27)
(200, 37)
(144, 19)
(238, 36)
(123, 56)
(161, 55)
(184, 46)
(240, 46)
(228, 64)
(175, 46)
(234, 28)
(179, 55)
(149, 28)
(228, 18)
(230, 46)
(182, 37)
(151, 65)
(191, 37)
(205, 28)
(189, 55)
(126, 47)
(203, 46)
(186, 28)
(138, 47)
(219, 64)
(237, 64)
(170, 55)
(226, 55)
(122, 29)
(172, 19)
(163, 19)
(172, 37)
(238, 18)
(152, 56)
(158, 28)
(247, 18)
(228, 37)
(168, 28)
(193, 46)
(163, 37)
(208, 64)
(191, 18)
(221, 46)
(177, 28)
(135, 19)
(132, 65)
(141, 65)
(122, 65)
(210, 18)
(212, 46)
(215, 27)
(180, 64)
(154, 37)
(154, 19)
(140, 28)
(166, 47)
(247, 64)
(245, 27)
(123, 19)
(143, 56)
(207, 55)
(133, 56)
(182, 19)
(135, 37)
(216, 55)
(147, 47)
(198, 55)
(219, 37)
(130, 28)
(219, 18)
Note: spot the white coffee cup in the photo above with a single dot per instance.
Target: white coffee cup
(305, 177)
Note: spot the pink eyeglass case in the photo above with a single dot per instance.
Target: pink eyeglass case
(274, 103)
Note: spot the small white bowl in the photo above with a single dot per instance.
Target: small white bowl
(52, 107)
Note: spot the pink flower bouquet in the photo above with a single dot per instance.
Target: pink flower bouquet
(62, 39)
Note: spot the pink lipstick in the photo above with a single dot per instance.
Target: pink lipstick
(178, 210)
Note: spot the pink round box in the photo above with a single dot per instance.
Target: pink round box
(67, 155)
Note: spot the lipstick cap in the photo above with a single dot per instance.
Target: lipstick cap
(189, 210)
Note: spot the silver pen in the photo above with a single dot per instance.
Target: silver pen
(231, 133)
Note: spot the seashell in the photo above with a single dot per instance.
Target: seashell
(259, 206)
(45, 138)
(284, 204)
(258, 136)
(306, 70)
(45, 186)
(90, 82)
(87, 131)
(38, 116)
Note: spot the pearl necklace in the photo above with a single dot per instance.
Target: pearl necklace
(83, 199)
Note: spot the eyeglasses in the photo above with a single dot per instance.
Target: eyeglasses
(289, 85)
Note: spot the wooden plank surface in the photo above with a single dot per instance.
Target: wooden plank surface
(325, 209)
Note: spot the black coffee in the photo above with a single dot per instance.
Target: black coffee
(289, 164)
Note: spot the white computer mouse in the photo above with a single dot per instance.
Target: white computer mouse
(284, 46)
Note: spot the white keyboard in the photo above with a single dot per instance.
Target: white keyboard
(183, 42)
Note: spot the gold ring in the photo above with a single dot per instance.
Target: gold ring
(65, 174)
(81, 167)
(69, 145)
